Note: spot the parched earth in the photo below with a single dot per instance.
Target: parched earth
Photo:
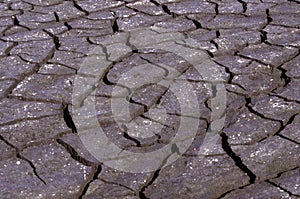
(250, 47)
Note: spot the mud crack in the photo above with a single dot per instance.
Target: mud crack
(74, 153)
(238, 161)
(68, 118)
(97, 171)
(18, 155)
(78, 7)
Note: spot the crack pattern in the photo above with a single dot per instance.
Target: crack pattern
(24, 158)
(254, 43)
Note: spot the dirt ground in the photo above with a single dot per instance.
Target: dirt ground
(166, 60)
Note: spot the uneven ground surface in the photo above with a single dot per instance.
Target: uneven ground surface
(255, 46)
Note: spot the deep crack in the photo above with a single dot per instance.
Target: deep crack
(55, 39)
(295, 1)
(290, 121)
(127, 136)
(284, 76)
(238, 161)
(98, 170)
(18, 155)
(17, 25)
(231, 74)
(217, 34)
(74, 153)
(67, 25)
(166, 9)
(141, 194)
(263, 37)
(155, 2)
(250, 108)
(280, 187)
(263, 34)
(216, 8)
(227, 192)
(244, 4)
(150, 182)
(269, 18)
(115, 25)
(78, 7)
(68, 118)
(56, 16)
(32, 166)
(16, 21)
(289, 139)
(133, 47)
(214, 43)
(197, 24)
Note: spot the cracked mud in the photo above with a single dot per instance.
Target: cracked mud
(255, 45)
